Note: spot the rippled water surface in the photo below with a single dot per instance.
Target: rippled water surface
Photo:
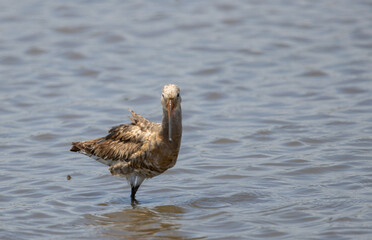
(277, 107)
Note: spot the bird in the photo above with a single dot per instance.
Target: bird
(141, 149)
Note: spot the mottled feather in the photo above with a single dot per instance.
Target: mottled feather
(122, 142)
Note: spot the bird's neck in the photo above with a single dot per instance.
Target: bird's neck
(176, 130)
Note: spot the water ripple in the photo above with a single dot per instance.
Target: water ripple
(276, 118)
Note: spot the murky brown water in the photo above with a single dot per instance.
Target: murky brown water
(277, 100)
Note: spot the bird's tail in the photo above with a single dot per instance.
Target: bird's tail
(85, 147)
(75, 147)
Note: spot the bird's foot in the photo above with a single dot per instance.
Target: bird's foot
(134, 202)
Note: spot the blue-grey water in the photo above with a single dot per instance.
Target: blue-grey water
(277, 107)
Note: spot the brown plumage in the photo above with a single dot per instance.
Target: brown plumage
(141, 149)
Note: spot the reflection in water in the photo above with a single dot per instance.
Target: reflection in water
(140, 222)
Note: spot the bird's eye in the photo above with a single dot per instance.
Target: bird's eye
(178, 95)
(162, 95)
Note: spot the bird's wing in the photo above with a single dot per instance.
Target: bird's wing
(140, 121)
(122, 143)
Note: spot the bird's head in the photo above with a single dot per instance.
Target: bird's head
(171, 101)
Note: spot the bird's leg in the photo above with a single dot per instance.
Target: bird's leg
(133, 194)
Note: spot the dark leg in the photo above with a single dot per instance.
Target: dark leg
(133, 194)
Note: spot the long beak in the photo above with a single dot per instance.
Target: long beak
(170, 113)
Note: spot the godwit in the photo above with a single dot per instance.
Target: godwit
(141, 149)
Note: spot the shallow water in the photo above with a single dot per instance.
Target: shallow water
(277, 107)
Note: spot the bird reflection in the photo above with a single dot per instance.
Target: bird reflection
(141, 222)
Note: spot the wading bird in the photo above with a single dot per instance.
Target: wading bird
(140, 149)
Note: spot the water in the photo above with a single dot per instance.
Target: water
(277, 100)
